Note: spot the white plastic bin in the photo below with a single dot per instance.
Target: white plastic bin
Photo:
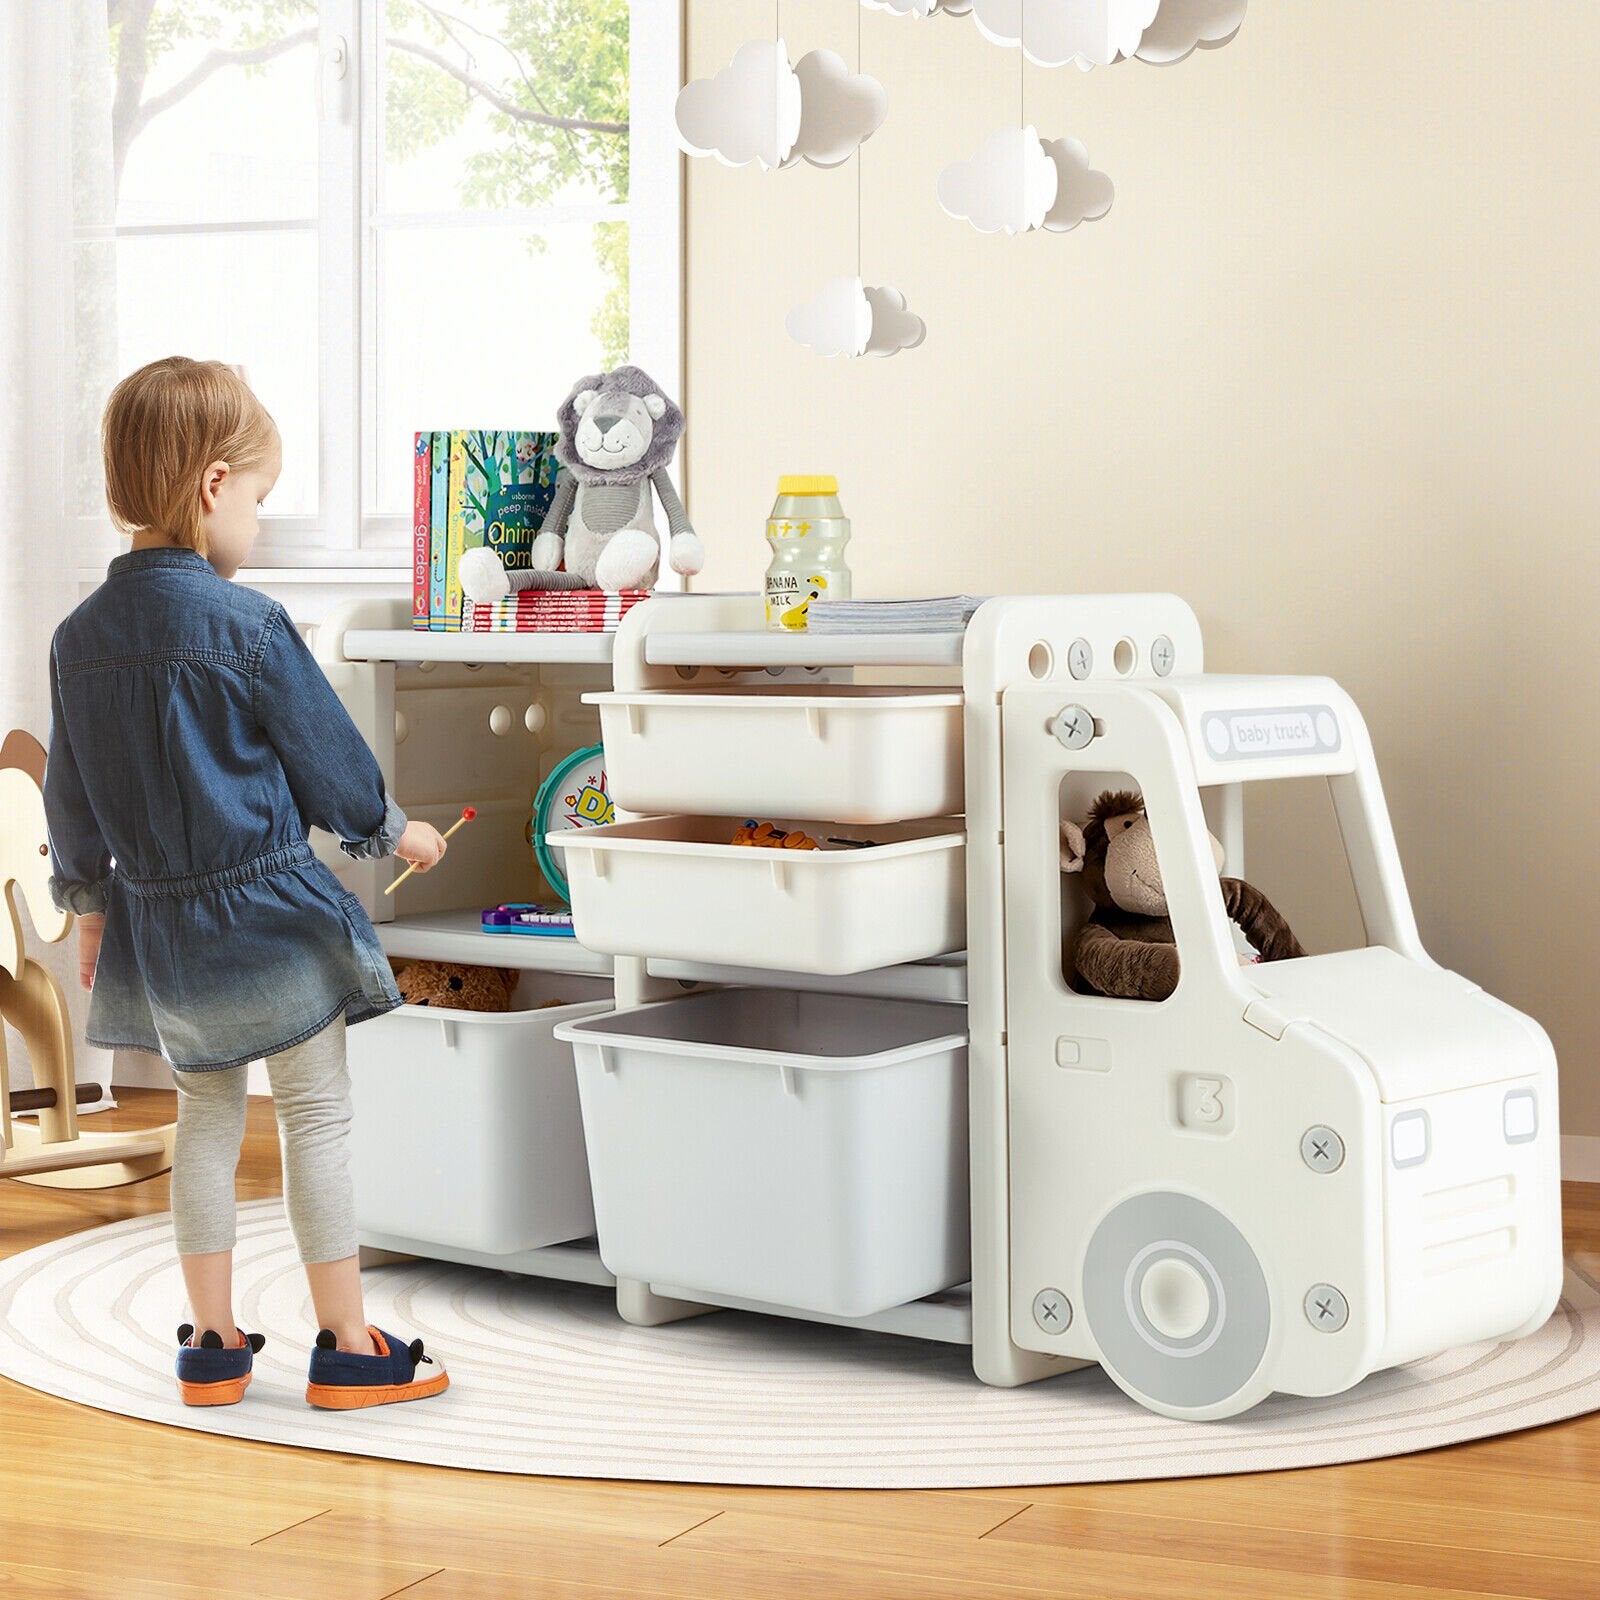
(857, 753)
(674, 887)
(798, 1149)
(467, 1125)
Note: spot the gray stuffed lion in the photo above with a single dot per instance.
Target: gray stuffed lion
(617, 433)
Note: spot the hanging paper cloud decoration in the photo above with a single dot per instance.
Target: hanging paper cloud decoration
(839, 110)
(1010, 183)
(1093, 33)
(759, 108)
(837, 323)
(1183, 26)
(850, 319)
(1082, 194)
(750, 111)
(894, 328)
(1096, 33)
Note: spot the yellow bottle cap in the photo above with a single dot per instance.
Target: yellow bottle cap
(808, 485)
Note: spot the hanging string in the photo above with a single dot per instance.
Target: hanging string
(1022, 67)
(860, 151)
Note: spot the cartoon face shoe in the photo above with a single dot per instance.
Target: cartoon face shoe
(342, 1380)
(209, 1372)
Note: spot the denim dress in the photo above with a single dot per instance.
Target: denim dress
(193, 739)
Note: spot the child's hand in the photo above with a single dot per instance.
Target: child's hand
(90, 928)
(421, 845)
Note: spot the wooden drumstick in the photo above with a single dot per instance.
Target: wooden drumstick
(466, 816)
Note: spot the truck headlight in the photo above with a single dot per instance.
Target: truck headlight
(1519, 1116)
(1408, 1139)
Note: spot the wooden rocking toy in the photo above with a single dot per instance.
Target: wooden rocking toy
(52, 1152)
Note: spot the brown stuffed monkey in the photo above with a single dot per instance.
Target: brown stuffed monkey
(1126, 948)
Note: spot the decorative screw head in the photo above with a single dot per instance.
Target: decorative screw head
(1073, 726)
(1052, 1311)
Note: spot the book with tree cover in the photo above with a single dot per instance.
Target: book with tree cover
(501, 483)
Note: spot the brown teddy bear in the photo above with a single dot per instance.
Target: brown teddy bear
(1126, 947)
(455, 985)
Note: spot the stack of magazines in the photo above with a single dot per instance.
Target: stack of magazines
(552, 611)
(942, 614)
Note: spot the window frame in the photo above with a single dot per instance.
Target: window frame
(349, 42)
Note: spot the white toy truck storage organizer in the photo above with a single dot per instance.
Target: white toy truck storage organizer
(1285, 1177)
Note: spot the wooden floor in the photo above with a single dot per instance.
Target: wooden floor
(95, 1505)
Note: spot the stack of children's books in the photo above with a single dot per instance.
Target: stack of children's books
(553, 611)
(476, 486)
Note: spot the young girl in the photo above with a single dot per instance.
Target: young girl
(193, 740)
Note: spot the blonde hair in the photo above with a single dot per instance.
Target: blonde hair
(164, 425)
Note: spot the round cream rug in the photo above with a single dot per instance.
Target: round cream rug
(546, 1379)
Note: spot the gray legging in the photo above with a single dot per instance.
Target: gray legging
(311, 1093)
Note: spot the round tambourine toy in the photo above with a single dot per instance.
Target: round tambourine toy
(573, 796)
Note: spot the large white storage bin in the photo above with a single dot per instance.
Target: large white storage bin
(674, 887)
(855, 753)
(799, 1149)
(467, 1125)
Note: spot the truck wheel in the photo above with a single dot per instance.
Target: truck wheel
(1178, 1305)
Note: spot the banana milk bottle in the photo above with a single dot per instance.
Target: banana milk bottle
(808, 531)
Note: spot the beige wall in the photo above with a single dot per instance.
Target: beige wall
(1330, 369)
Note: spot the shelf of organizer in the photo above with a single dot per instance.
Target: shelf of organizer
(945, 1318)
(576, 1262)
(943, 978)
(676, 887)
(459, 936)
(748, 648)
(851, 753)
(401, 644)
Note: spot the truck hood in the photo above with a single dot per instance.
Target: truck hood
(1421, 1029)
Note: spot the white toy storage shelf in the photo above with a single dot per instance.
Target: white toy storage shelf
(852, 1084)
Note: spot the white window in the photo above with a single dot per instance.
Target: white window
(395, 215)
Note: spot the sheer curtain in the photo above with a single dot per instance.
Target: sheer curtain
(57, 346)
